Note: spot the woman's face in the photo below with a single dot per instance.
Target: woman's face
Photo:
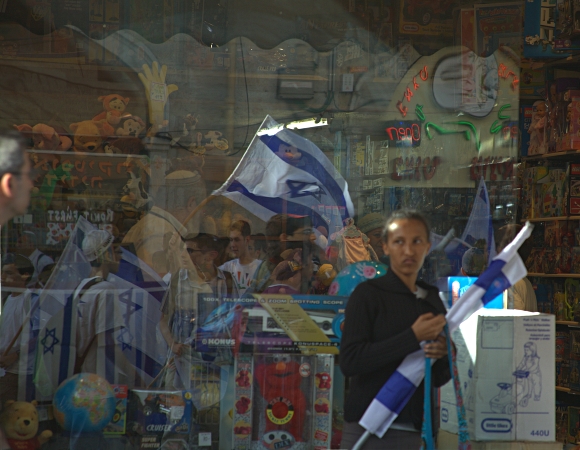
(407, 246)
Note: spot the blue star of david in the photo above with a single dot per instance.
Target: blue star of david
(298, 189)
(125, 341)
(132, 307)
(49, 334)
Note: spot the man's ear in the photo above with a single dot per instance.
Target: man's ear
(6, 185)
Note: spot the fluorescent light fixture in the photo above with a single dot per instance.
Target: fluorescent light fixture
(298, 124)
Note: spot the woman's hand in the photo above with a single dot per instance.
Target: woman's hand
(436, 349)
(428, 326)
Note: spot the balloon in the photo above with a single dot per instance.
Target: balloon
(354, 274)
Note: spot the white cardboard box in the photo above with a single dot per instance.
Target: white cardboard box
(506, 365)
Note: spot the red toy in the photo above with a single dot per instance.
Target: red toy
(243, 379)
(242, 405)
(323, 380)
(279, 384)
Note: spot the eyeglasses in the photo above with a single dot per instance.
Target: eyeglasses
(192, 250)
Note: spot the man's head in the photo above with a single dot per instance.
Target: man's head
(473, 262)
(203, 249)
(17, 270)
(97, 247)
(184, 190)
(372, 225)
(15, 180)
(240, 238)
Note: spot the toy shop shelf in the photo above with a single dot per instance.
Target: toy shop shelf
(550, 219)
(569, 323)
(564, 154)
(554, 275)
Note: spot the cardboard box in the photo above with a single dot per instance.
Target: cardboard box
(505, 360)
(448, 441)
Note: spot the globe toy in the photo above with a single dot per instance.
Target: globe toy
(84, 403)
(354, 274)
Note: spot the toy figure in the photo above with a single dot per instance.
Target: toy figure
(114, 106)
(243, 379)
(45, 137)
(279, 383)
(19, 421)
(323, 380)
(536, 130)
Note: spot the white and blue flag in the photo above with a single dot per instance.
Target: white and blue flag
(479, 225)
(505, 270)
(282, 172)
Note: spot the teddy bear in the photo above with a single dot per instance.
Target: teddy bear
(19, 421)
(130, 126)
(89, 136)
(44, 137)
(114, 106)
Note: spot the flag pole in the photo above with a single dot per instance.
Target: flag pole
(361, 441)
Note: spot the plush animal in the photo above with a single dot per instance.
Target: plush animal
(289, 153)
(212, 140)
(19, 421)
(323, 380)
(114, 106)
(130, 126)
(89, 136)
(44, 137)
(279, 383)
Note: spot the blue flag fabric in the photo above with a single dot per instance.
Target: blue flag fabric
(282, 172)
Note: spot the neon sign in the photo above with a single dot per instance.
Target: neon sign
(404, 133)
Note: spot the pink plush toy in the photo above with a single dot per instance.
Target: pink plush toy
(44, 137)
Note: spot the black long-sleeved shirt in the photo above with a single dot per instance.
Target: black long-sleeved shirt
(377, 336)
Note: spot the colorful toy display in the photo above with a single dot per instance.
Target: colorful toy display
(84, 403)
(288, 403)
(350, 277)
(19, 422)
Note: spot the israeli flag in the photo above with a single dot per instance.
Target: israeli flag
(479, 225)
(505, 270)
(282, 172)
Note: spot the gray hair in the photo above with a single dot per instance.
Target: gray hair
(12, 152)
(406, 214)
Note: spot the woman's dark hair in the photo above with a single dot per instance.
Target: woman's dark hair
(406, 214)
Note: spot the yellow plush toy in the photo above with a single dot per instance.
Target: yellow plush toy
(19, 421)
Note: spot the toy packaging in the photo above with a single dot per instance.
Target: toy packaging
(282, 401)
(525, 120)
(118, 423)
(155, 417)
(574, 190)
(539, 29)
(561, 421)
(269, 324)
(511, 374)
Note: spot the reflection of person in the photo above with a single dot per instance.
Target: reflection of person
(245, 265)
(288, 276)
(15, 181)
(182, 192)
(473, 262)
(537, 127)
(521, 295)
(530, 364)
(283, 233)
(100, 314)
(178, 321)
(203, 250)
(372, 225)
(17, 270)
(386, 319)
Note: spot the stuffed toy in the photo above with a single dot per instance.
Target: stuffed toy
(114, 107)
(130, 126)
(89, 136)
(45, 137)
(279, 383)
(212, 140)
(19, 421)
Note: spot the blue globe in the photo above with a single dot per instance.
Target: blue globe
(354, 274)
(84, 403)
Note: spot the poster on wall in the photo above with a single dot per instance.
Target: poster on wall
(498, 25)
(424, 17)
